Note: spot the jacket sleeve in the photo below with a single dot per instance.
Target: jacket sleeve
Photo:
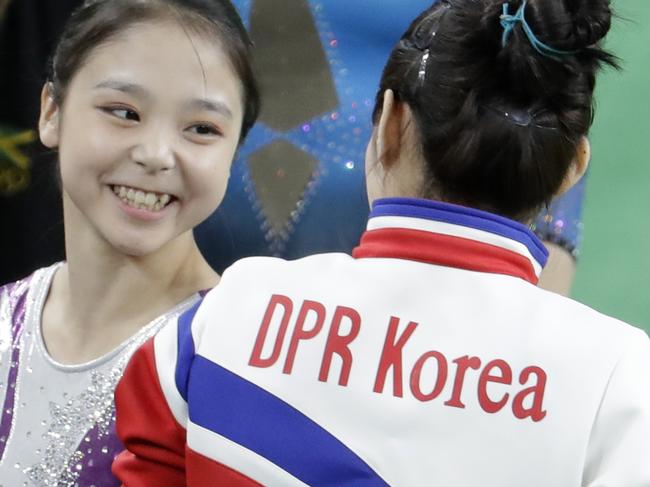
(619, 447)
(151, 409)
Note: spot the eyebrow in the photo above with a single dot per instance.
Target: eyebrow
(211, 105)
(123, 86)
(218, 107)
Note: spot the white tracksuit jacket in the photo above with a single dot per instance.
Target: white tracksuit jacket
(430, 357)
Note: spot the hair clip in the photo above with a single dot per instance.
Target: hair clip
(422, 73)
(521, 117)
(423, 35)
(508, 22)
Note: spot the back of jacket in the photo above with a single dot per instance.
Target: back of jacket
(429, 358)
(410, 373)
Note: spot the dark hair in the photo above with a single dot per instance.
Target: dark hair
(97, 21)
(499, 124)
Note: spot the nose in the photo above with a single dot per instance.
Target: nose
(154, 151)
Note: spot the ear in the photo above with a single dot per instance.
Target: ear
(578, 166)
(389, 131)
(48, 122)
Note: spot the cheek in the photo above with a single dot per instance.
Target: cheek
(219, 180)
(86, 147)
(73, 163)
(210, 186)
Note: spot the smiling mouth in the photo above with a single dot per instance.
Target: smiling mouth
(142, 200)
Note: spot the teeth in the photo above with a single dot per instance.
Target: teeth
(141, 200)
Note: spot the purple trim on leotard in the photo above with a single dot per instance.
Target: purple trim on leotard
(17, 293)
(99, 449)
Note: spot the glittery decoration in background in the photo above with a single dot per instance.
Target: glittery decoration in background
(288, 100)
(330, 212)
(562, 222)
(281, 173)
(327, 133)
(282, 176)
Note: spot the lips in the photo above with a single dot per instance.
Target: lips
(143, 200)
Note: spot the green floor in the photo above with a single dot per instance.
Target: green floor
(614, 268)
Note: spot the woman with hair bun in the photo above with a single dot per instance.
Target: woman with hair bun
(429, 357)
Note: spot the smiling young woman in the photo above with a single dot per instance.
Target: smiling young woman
(146, 105)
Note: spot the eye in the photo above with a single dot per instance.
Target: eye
(205, 130)
(123, 113)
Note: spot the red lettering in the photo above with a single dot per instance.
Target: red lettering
(256, 359)
(535, 412)
(391, 356)
(505, 377)
(299, 332)
(462, 364)
(441, 378)
(339, 344)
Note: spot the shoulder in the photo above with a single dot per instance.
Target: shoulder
(247, 285)
(15, 290)
(15, 298)
(21, 286)
(584, 318)
(588, 332)
(279, 263)
(14, 295)
(276, 270)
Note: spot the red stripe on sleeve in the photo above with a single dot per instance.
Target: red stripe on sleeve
(154, 441)
(203, 471)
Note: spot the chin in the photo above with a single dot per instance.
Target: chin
(137, 248)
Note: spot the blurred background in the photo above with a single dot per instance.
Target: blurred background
(614, 266)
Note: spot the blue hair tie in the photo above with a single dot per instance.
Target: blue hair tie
(508, 22)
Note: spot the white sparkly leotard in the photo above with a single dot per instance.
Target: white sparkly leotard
(57, 426)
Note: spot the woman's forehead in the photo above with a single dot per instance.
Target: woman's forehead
(163, 54)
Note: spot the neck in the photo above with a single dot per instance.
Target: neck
(102, 296)
(102, 282)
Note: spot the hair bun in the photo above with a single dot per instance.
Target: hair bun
(591, 21)
(569, 25)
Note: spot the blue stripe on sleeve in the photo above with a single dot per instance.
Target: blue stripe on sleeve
(185, 351)
(246, 414)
